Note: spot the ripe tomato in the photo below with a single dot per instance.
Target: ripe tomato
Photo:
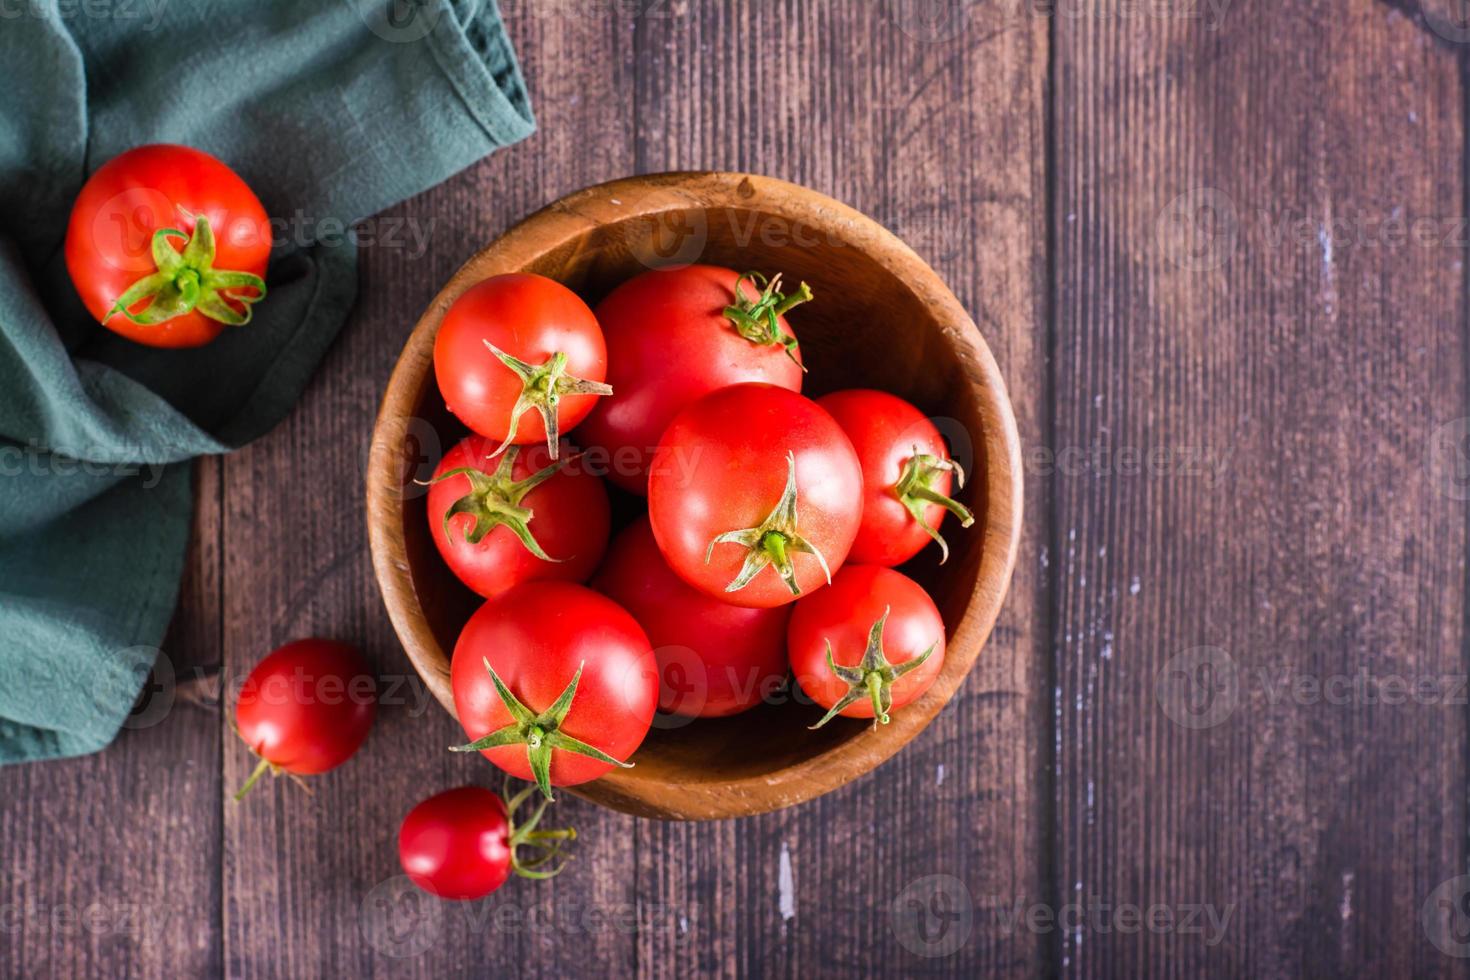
(674, 335)
(870, 642)
(167, 245)
(461, 844)
(521, 518)
(754, 495)
(907, 475)
(555, 683)
(306, 708)
(519, 342)
(714, 659)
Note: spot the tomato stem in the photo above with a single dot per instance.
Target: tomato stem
(540, 733)
(774, 542)
(549, 842)
(872, 677)
(770, 541)
(874, 683)
(756, 319)
(254, 778)
(495, 500)
(187, 281)
(542, 387)
(915, 490)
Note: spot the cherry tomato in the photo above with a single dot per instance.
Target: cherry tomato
(907, 475)
(306, 708)
(515, 343)
(714, 659)
(674, 335)
(555, 683)
(461, 844)
(755, 495)
(871, 642)
(167, 246)
(524, 516)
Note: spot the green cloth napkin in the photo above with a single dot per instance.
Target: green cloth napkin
(331, 110)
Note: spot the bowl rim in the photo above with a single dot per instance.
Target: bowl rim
(576, 214)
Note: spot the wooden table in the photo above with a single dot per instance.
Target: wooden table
(1219, 254)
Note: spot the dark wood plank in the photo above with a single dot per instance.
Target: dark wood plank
(110, 863)
(938, 131)
(312, 883)
(1216, 291)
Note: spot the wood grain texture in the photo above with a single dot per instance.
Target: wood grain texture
(312, 884)
(939, 137)
(110, 862)
(1229, 283)
(1178, 235)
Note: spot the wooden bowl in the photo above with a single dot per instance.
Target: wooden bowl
(882, 319)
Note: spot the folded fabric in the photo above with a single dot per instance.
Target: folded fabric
(331, 111)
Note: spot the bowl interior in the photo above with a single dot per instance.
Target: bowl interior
(869, 326)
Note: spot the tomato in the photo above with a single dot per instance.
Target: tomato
(870, 642)
(167, 246)
(524, 517)
(674, 335)
(461, 844)
(555, 683)
(714, 659)
(754, 495)
(907, 475)
(519, 342)
(306, 708)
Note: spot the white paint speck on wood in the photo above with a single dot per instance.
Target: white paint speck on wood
(786, 886)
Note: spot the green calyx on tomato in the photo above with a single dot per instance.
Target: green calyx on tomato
(756, 320)
(539, 732)
(873, 676)
(188, 281)
(772, 541)
(549, 842)
(542, 387)
(495, 499)
(915, 490)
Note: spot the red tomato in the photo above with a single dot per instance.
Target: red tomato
(306, 708)
(871, 642)
(519, 342)
(555, 683)
(754, 495)
(524, 517)
(907, 475)
(674, 335)
(714, 659)
(461, 844)
(167, 245)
